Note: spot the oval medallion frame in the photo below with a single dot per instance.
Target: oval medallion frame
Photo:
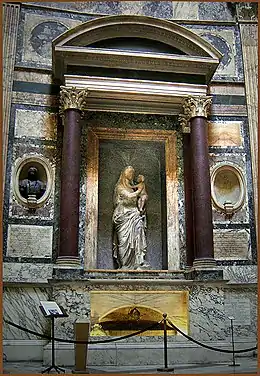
(227, 185)
(45, 174)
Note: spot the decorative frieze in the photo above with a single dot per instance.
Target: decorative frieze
(72, 98)
(194, 106)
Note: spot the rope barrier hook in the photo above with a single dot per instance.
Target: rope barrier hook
(165, 368)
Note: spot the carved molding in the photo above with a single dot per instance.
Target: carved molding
(72, 98)
(71, 48)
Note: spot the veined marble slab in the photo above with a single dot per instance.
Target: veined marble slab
(21, 306)
(225, 134)
(207, 317)
(38, 124)
(241, 304)
(240, 273)
(26, 272)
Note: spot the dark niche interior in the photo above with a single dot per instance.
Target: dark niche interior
(148, 159)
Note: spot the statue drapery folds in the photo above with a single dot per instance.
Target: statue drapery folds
(129, 221)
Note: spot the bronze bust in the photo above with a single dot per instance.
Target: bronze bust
(32, 186)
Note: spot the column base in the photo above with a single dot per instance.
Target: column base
(204, 263)
(68, 262)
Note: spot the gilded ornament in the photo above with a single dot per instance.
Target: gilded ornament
(197, 106)
(72, 98)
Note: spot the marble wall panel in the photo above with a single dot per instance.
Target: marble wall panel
(226, 39)
(30, 76)
(240, 274)
(37, 31)
(232, 244)
(247, 11)
(21, 306)
(249, 37)
(10, 20)
(225, 133)
(207, 319)
(35, 124)
(242, 305)
(75, 299)
(40, 28)
(174, 10)
(29, 241)
(212, 10)
(35, 99)
(26, 272)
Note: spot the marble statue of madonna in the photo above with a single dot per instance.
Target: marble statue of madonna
(129, 222)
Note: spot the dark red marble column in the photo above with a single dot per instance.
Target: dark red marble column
(202, 209)
(70, 183)
(188, 200)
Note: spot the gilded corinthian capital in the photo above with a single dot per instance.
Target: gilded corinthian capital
(194, 106)
(72, 98)
(197, 106)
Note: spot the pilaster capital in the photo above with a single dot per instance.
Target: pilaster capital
(72, 98)
(194, 106)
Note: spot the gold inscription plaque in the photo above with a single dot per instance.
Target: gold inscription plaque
(116, 313)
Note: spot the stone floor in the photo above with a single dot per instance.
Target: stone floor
(247, 366)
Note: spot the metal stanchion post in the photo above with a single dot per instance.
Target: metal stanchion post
(166, 368)
(231, 318)
(53, 365)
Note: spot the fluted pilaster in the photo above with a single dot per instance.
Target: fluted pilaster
(11, 14)
(249, 39)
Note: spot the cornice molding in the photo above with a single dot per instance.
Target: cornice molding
(130, 95)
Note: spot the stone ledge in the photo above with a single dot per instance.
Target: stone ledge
(205, 275)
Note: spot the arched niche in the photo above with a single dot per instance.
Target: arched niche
(227, 187)
(45, 175)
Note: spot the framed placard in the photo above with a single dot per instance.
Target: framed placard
(50, 308)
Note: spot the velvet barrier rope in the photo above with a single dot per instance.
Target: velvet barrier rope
(154, 326)
(206, 346)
